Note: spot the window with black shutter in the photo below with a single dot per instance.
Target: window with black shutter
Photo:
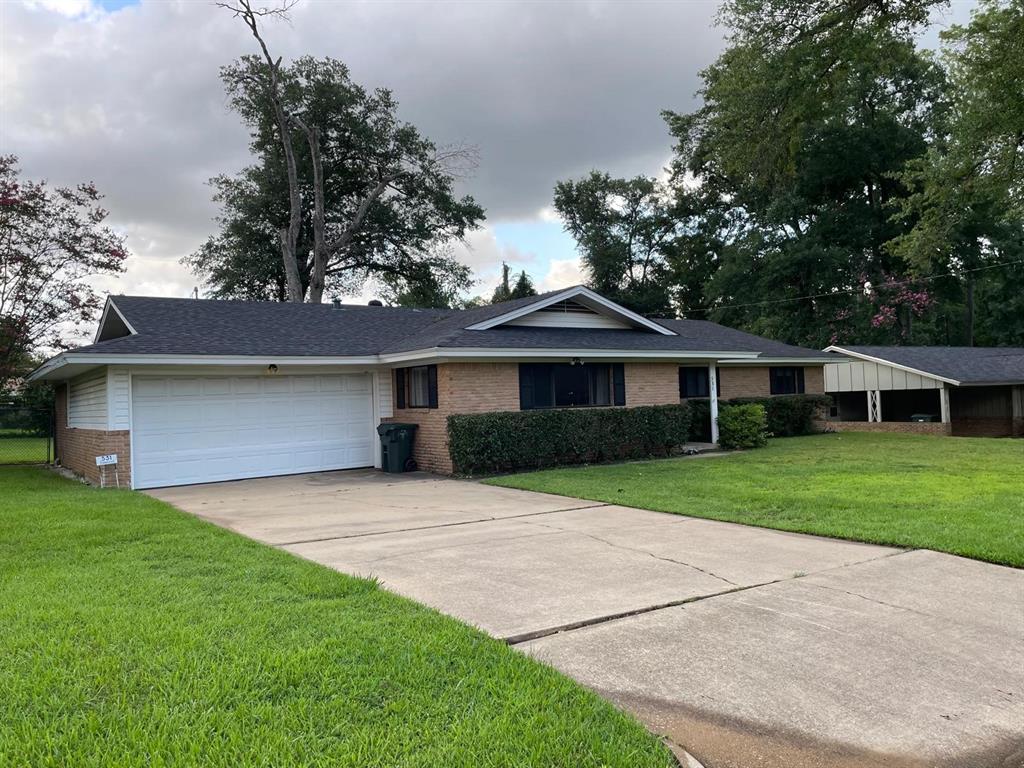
(694, 382)
(563, 385)
(787, 380)
(416, 387)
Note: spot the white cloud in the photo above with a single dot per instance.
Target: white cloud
(132, 101)
(562, 274)
(69, 8)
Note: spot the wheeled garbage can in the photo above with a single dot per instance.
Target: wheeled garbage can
(396, 447)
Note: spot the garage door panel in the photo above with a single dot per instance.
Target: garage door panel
(209, 429)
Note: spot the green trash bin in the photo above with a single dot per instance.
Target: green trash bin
(396, 447)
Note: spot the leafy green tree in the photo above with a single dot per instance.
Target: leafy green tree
(342, 191)
(53, 244)
(625, 230)
(503, 292)
(523, 287)
(966, 197)
(506, 291)
(786, 173)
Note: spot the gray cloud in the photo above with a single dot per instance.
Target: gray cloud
(132, 99)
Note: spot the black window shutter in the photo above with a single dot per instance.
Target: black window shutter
(525, 387)
(431, 386)
(800, 381)
(619, 383)
(400, 387)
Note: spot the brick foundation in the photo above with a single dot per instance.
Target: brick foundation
(77, 449)
(487, 387)
(900, 427)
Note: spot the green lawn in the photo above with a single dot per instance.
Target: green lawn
(134, 635)
(959, 495)
(16, 449)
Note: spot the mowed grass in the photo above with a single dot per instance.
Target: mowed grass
(16, 449)
(958, 495)
(134, 635)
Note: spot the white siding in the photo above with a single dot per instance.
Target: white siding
(568, 320)
(118, 398)
(860, 375)
(87, 401)
(383, 384)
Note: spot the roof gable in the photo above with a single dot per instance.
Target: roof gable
(576, 307)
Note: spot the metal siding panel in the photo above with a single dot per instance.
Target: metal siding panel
(857, 377)
(870, 375)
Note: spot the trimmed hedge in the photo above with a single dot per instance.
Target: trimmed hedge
(511, 440)
(742, 426)
(788, 415)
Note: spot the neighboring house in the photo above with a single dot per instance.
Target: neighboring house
(193, 391)
(968, 391)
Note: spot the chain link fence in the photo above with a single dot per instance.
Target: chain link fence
(26, 435)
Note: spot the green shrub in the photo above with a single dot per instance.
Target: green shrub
(788, 415)
(742, 426)
(511, 440)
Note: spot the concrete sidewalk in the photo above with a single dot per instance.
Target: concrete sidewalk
(744, 645)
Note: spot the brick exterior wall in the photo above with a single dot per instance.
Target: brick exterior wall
(983, 427)
(901, 427)
(754, 381)
(77, 449)
(486, 387)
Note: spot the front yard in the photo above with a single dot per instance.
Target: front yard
(958, 495)
(135, 635)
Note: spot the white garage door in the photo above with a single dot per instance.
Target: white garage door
(206, 429)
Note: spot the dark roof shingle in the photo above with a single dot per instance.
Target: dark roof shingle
(223, 328)
(968, 365)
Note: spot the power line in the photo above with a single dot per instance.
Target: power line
(847, 291)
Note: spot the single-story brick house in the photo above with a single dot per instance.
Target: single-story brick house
(194, 391)
(964, 391)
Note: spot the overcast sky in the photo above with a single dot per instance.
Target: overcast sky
(126, 94)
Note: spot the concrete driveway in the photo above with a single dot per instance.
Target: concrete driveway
(748, 647)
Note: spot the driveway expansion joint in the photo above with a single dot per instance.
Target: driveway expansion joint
(431, 527)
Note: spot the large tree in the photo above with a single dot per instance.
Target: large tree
(342, 192)
(625, 230)
(967, 192)
(786, 171)
(52, 243)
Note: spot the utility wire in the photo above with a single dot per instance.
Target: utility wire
(847, 291)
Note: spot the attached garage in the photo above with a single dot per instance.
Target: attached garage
(205, 429)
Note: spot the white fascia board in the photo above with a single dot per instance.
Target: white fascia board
(570, 293)
(79, 362)
(779, 361)
(520, 353)
(103, 319)
(71, 360)
(881, 361)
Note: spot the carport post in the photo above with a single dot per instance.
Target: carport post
(944, 404)
(713, 394)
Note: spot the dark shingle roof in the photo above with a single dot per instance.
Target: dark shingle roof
(209, 327)
(968, 365)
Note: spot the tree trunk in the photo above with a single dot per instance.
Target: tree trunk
(318, 274)
(970, 312)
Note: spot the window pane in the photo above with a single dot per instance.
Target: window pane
(786, 381)
(693, 382)
(419, 387)
(600, 384)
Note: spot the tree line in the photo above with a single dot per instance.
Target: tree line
(838, 183)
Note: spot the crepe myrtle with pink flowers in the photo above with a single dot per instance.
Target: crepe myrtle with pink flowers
(52, 241)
